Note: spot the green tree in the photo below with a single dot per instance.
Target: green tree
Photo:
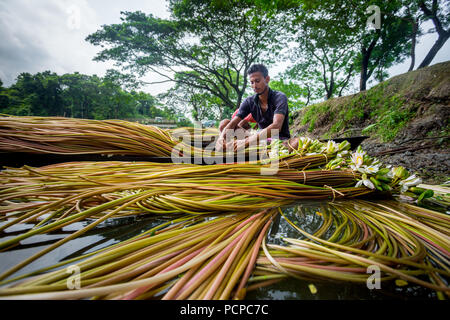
(38, 94)
(78, 94)
(125, 81)
(145, 104)
(4, 99)
(377, 49)
(188, 100)
(338, 28)
(440, 16)
(298, 95)
(208, 45)
(200, 104)
(113, 102)
(75, 95)
(323, 57)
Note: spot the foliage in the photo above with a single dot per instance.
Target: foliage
(205, 45)
(200, 104)
(332, 38)
(78, 96)
(388, 113)
(322, 55)
(295, 93)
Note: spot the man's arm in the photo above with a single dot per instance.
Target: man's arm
(277, 123)
(244, 110)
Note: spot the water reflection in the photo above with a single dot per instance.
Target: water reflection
(105, 234)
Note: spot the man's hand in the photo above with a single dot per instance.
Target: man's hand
(236, 145)
(240, 144)
(220, 144)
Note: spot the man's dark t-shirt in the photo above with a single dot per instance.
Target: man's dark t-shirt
(277, 103)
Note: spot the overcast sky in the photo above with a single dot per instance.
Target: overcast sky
(39, 35)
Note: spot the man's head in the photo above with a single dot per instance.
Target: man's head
(259, 78)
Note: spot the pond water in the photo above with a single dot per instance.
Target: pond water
(117, 230)
(295, 289)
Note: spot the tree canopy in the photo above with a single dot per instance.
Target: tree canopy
(205, 45)
(76, 95)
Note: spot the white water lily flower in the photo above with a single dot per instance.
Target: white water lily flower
(358, 159)
(366, 182)
(371, 169)
(411, 181)
(390, 174)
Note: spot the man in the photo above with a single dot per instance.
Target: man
(268, 107)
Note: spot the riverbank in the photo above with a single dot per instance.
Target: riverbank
(406, 118)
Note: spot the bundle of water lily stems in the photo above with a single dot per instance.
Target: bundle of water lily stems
(197, 257)
(58, 135)
(70, 192)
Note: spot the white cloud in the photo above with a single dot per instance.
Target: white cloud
(50, 34)
(39, 36)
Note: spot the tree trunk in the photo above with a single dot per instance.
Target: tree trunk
(331, 87)
(308, 97)
(240, 94)
(413, 46)
(364, 67)
(443, 34)
(195, 114)
(366, 53)
(345, 82)
(443, 37)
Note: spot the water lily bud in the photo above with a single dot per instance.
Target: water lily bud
(376, 183)
(331, 146)
(385, 186)
(426, 194)
(369, 184)
(400, 172)
(382, 178)
(383, 171)
(344, 145)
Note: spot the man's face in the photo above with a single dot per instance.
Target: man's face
(258, 82)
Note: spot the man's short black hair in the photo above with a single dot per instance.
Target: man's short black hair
(258, 68)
